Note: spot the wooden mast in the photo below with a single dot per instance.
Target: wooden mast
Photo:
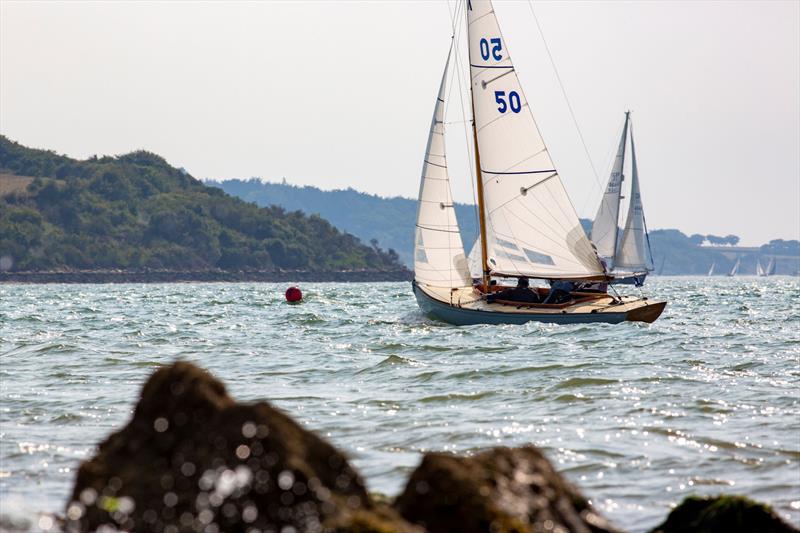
(478, 174)
(481, 212)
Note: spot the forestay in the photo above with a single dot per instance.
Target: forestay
(605, 226)
(531, 226)
(438, 252)
(632, 254)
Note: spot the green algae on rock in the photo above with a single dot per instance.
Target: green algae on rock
(723, 514)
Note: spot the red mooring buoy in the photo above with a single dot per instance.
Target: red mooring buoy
(293, 294)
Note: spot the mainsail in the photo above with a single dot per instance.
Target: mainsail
(632, 253)
(532, 228)
(604, 228)
(438, 252)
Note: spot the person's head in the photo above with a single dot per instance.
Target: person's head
(522, 283)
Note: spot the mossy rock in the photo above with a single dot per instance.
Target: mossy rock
(723, 514)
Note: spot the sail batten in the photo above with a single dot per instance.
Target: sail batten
(533, 214)
(439, 259)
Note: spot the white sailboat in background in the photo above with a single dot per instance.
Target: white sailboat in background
(735, 269)
(628, 258)
(711, 270)
(770, 270)
(528, 226)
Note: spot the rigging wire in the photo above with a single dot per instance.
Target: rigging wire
(456, 22)
(446, 105)
(566, 99)
(610, 155)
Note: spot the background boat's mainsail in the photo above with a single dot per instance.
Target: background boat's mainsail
(633, 248)
(474, 260)
(604, 228)
(531, 226)
(438, 252)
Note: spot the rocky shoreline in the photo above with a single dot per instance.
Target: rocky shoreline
(171, 276)
(194, 459)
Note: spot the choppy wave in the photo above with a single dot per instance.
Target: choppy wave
(639, 416)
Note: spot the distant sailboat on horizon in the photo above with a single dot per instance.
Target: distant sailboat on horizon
(629, 258)
(770, 269)
(735, 268)
(711, 270)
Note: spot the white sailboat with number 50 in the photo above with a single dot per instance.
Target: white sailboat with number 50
(528, 226)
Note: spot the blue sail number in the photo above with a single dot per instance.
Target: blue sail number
(495, 49)
(513, 101)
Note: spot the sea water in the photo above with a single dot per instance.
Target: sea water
(638, 416)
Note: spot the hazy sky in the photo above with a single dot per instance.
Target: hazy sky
(341, 94)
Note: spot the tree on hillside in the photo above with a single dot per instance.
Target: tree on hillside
(697, 239)
(782, 247)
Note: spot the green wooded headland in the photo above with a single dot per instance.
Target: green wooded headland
(135, 211)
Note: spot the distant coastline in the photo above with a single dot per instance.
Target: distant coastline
(174, 276)
(217, 276)
(389, 223)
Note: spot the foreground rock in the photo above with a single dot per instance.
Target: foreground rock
(500, 490)
(723, 514)
(192, 459)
